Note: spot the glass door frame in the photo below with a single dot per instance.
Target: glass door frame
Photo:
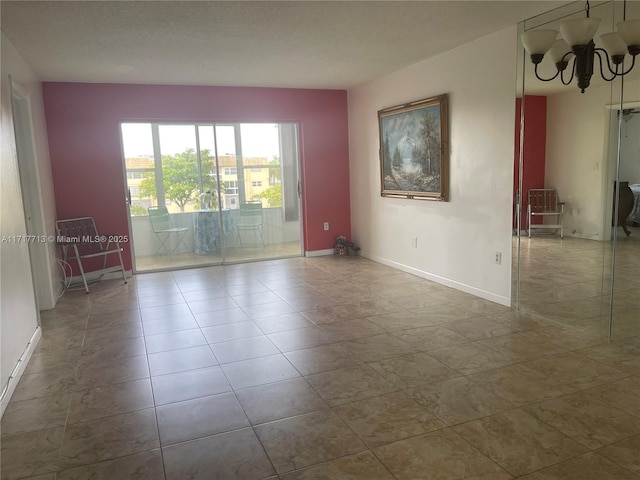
(225, 258)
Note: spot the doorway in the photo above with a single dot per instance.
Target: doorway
(204, 178)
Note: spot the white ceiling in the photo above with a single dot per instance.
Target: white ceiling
(303, 44)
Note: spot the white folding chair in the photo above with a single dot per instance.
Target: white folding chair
(81, 241)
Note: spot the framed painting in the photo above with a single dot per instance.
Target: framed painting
(414, 149)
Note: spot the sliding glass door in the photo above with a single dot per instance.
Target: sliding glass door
(206, 194)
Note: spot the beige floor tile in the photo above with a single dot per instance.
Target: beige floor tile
(518, 442)
(107, 438)
(400, 320)
(281, 323)
(431, 337)
(221, 317)
(117, 370)
(591, 422)
(379, 347)
(429, 457)
(307, 439)
(349, 384)
(413, 370)
(35, 414)
(110, 400)
(458, 400)
(259, 371)
(60, 360)
(109, 334)
(299, 338)
(444, 313)
(59, 340)
(235, 455)
(104, 352)
(477, 328)
(31, 453)
(36, 385)
(200, 417)
(590, 466)
(522, 346)
(169, 324)
(471, 358)
(243, 349)
(166, 298)
(141, 466)
(181, 360)
(624, 453)
(620, 356)
(174, 340)
(195, 292)
(268, 310)
(111, 319)
(256, 298)
(231, 331)
(360, 466)
(570, 338)
(520, 385)
(367, 332)
(179, 310)
(279, 400)
(623, 394)
(350, 329)
(310, 302)
(387, 419)
(323, 358)
(576, 370)
(201, 382)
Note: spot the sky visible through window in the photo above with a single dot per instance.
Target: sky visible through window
(258, 139)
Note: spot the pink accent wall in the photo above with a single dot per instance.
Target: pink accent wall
(534, 151)
(86, 160)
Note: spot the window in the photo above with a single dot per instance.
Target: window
(230, 171)
(232, 187)
(256, 183)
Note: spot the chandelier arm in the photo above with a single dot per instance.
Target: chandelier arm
(615, 72)
(545, 79)
(602, 70)
(573, 73)
(633, 62)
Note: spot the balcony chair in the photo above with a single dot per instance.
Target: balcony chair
(543, 203)
(250, 218)
(80, 236)
(165, 230)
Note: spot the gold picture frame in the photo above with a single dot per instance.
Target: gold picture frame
(414, 149)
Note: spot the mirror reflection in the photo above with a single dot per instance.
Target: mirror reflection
(577, 178)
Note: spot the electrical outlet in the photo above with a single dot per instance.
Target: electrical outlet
(414, 242)
(498, 258)
(326, 226)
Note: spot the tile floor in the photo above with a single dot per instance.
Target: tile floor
(322, 368)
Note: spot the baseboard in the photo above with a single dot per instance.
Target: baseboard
(319, 253)
(14, 378)
(502, 300)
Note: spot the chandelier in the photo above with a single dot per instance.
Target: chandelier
(577, 44)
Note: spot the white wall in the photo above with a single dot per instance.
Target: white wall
(48, 281)
(19, 329)
(457, 240)
(580, 157)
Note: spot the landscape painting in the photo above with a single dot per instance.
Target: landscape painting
(414, 149)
